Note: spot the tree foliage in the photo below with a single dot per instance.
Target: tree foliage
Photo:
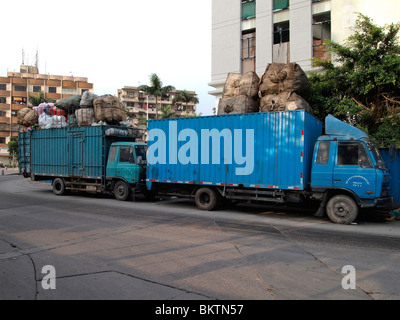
(186, 98)
(156, 89)
(38, 99)
(361, 85)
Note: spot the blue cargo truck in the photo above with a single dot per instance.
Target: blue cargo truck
(91, 159)
(277, 157)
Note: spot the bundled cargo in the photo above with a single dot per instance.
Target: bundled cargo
(69, 104)
(280, 77)
(109, 109)
(51, 122)
(283, 102)
(43, 107)
(27, 117)
(240, 94)
(85, 117)
(87, 99)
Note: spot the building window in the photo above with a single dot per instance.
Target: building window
(36, 88)
(69, 91)
(19, 100)
(249, 51)
(281, 32)
(248, 9)
(321, 33)
(3, 86)
(3, 114)
(20, 88)
(52, 89)
(3, 100)
(281, 4)
(2, 140)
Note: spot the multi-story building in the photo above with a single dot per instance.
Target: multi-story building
(140, 105)
(247, 35)
(18, 86)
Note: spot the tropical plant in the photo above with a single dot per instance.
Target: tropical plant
(186, 98)
(362, 83)
(156, 89)
(38, 99)
(167, 112)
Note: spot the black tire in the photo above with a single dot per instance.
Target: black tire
(342, 209)
(206, 199)
(58, 186)
(121, 191)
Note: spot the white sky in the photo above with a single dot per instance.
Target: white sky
(113, 43)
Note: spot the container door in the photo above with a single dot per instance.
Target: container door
(76, 147)
(322, 168)
(354, 170)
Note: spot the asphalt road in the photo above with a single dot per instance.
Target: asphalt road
(94, 247)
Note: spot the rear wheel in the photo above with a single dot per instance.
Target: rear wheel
(59, 186)
(206, 199)
(121, 191)
(342, 209)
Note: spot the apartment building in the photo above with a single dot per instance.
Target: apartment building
(18, 86)
(249, 34)
(142, 106)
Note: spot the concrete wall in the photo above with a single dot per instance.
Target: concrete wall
(264, 35)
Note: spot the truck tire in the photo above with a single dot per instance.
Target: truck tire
(58, 186)
(121, 191)
(342, 209)
(206, 199)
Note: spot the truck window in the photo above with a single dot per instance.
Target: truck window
(353, 154)
(323, 153)
(126, 155)
(111, 157)
(141, 153)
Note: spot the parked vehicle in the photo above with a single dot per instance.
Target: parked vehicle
(275, 157)
(92, 159)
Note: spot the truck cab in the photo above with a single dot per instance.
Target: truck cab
(126, 168)
(348, 172)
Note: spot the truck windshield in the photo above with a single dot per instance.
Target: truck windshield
(372, 146)
(141, 154)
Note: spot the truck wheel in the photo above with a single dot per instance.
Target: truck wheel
(121, 191)
(58, 186)
(342, 209)
(206, 199)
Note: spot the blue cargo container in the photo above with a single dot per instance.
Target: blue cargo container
(278, 157)
(260, 150)
(77, 158)
(393, 164)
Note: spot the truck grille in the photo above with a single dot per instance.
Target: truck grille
(385, 189)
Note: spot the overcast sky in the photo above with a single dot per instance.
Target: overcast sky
(113, 43)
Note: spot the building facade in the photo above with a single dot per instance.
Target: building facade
(18, 86)
(142, 106)
(247, 35)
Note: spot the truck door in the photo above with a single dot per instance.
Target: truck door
(76, 147)
(354, 170)
(322, 168)
(126, 167)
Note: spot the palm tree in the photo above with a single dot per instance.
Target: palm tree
(167, 112)
(185, 97)
(156, 88)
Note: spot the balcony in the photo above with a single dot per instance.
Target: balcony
(4, 107)
(17, 107)
(4, 93)
(5, 120)
(19, 81)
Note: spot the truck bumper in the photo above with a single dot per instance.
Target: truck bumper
(383, 203)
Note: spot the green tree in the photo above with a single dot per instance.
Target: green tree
(361, 85)
(167, 112)
(156, 89)
(38, 99)
(13, 149)
(186, 98)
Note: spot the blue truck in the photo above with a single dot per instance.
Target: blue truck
(277, 157)
(94, 159)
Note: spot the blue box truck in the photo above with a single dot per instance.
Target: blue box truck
(277, 157)
(92, 159)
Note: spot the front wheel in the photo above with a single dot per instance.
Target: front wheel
(59, 186)
(206, 199)
(121, 191)
(342, 209)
